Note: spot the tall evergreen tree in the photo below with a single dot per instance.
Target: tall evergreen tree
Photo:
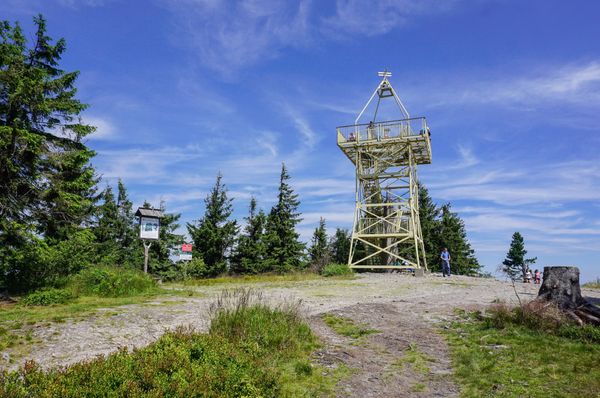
(340, 246)
(318, 252)
(429, 215)
(284, 250)
(250, 251)
(126, 228)
(214, 233)
(105, 228)
(46, 183)
(515, 264)
(115, 229)
(454, 237)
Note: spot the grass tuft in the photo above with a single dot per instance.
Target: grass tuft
(336, 270)
(346, 326)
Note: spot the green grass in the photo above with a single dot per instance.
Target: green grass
(418, 360)
(515, 357)
(336, 270)
(346, 326)
(261, 278)
(592, 285)
(78, 307)
(251, 350)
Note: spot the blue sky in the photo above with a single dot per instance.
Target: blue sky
(180, 89)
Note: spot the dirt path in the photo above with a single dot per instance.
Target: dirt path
(406, 310)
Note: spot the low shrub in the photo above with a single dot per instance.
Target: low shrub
(251, 351)
(48, 296)
(336, 270)
(111, 282)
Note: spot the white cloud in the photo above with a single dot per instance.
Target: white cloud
(230, 35)
(577, 84)
(372, 18)
(105, 129)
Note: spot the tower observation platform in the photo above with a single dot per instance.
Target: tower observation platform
(386, 232)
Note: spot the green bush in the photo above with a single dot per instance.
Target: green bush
(48, 297)
(336, 270)
(40, 263)
(250, 351)
(111, 282)
(182, 270)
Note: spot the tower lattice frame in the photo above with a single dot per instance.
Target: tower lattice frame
(386, 231)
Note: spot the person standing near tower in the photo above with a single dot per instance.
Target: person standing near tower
(445, 256)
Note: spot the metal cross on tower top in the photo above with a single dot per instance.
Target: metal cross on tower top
(384, 90)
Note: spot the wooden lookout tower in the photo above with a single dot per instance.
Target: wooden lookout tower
(387, 230)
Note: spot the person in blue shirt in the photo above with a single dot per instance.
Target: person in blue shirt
(445, 256)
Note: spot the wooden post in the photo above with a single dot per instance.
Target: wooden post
(146, 253)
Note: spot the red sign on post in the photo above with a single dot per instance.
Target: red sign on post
(186, 247)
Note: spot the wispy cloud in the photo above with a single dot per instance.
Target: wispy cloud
(577, 83)
(229, 35)
(372, 18)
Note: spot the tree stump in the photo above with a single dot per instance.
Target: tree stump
(561, 286)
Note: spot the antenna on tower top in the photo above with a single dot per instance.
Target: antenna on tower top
(384, 90)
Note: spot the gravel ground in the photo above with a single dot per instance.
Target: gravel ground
(407, 311)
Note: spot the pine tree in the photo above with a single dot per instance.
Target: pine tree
(454, 237)
(126, 229)
(46, 183)
(515, 264)
(115, 229)
(284, 250)
(429, 215)
(214, 233)
(250, 251)
(340, 246)
(318, 252)
(105, 228)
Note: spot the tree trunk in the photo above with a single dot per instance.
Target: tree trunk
(561, 286)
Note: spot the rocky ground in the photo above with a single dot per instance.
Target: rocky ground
(408, 313)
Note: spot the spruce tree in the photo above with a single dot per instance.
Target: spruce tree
(250, 250)
(340, 246)
(115, 229)
(126, 228)
(46, 183)
(319, 254)
(516, 265)
(105, 229)
(454, 237)
(429, 215)
(284, 250)
(214, 233)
